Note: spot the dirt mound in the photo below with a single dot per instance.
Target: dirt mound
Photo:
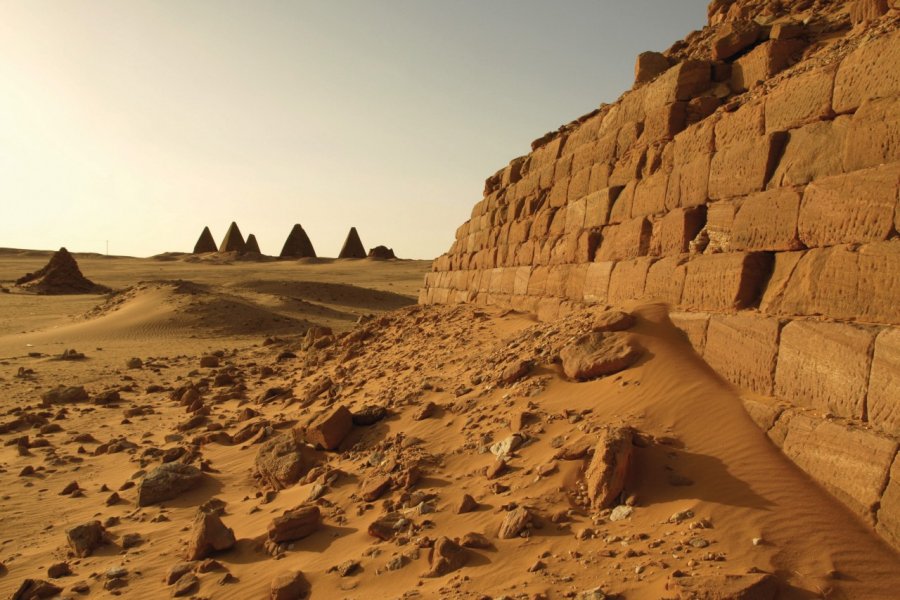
(60, 276)
(205, 243)
(353, 246)
(382, 253)
(297, 245)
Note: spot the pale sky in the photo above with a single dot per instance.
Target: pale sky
(139, 121)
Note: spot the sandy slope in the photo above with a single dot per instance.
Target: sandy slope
(700, 451)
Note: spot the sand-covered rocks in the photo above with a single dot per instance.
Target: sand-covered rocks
(295, 524)
(166, 482)
(281, 461)
(753, 586)
(597, 354)
(84, 539)
(60, 276)
(609, 468)
(209, 534)
(445, 557)
(36, 589)
(291, 585)
(327, 429)
(515, 523)
(65, 395)
(612, 320)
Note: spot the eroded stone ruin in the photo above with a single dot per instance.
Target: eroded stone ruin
(61, 275)
(750, 180)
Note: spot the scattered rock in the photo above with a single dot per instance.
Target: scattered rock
(620, 513)
(64, 395)
(84, 539)
(597, 354)
(281, 461)
(369, 415)
(186, 585)
(514, 523)
(36, 589)
(466, 504)
(289, 586)
(209, 535)
(516, 371)
(373, 487)
(754, 586)
(295, 524)
(386, 526)
(445, 557)
(612, 320)
(328, 429)
(57, 570)
(609, 467)
(166, 482)
(476, 540)
(424, 411)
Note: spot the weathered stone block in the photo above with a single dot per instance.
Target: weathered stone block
(745, 166)
(725, 281)
(626, 240)
(763, 62)
(575, 281)
(598, 206)
(852, 464)
(800, 100)
(857, 207)
(873, 134)
(746, 123)
(680, 83)
(883, 404)
(558, 193)
(649, 65)
(689, 182)
(720, 224)
(889, 512)
(733, 37)
(627, 280)
(596, 282)
(665, 280)
(676, 229)
(575, 211)
(870, 71)
(621, 208)
(825, 366)
(812, 152)
(767, 221)
(743, 349)
(600, 173)
(578, 184)
(650, 195)
(694, 325)
(665, 122)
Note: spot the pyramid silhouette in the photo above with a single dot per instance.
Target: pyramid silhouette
(252, 245)
(233, 241)
(297, 244)
(205, 243)
(353, 247)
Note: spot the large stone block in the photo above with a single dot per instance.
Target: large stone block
(825, 366)
(767, 221)
(857, 207)
(883, 404)
(699, 138)
(725, 281)
(746, 123)
(745, 166)
(625, 240)
(720, 224)
(733, 37)
(575, 212)
(598, 206)
(627, 280)
(665, 122)
(673, 233)
(575, 282)
(600, 173)
(743, 349)
(763, 62)
(889, 511)
(853, 464)
(870, 71)
(680, 83)
(578, 184)
(596, 282)
(650, 195)
(694, 325)
(812, 152)
(873, 135)
(665, 280)
(800, 100)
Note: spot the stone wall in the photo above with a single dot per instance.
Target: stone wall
(768, 219)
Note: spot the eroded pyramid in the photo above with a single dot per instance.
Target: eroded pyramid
(252, 246)
(233, 241)
(353, 247)
(60, 276)
(297, 244)
(205, 243)
(381, 253)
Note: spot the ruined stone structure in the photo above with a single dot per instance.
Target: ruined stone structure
(353, 246)
(297, 244)
(750, 180)
(233, 240)
(205, 243)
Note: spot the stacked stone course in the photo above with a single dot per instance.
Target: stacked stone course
(767, 219)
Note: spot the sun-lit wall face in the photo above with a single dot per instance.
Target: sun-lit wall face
(140, 122)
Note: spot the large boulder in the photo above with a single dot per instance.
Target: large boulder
(445, 557)
(597, 354)
(84, 539)
(608, 469)
(281, 461)
(208, 535)
(166, 482)
(295, 524)
(327, 429)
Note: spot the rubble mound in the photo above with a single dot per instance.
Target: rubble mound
(61, 275)
(381, 253)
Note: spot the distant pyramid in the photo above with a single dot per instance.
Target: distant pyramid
(234, 241)
(353, 247)
(381, 252)
(206, 243)
(297, 244)
(252, 246)
(60, 276)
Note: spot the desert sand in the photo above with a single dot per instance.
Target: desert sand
(706, 495)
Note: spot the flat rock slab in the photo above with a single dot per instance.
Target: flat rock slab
(166, 482)
(597, 354)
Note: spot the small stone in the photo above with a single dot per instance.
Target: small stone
(466, 504)
(186, 585)
(620, 513)
(514, 523)
(289, 586)
(209, 535)
(84, 539)
(58, 570)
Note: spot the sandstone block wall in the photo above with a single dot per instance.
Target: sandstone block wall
(768, 219)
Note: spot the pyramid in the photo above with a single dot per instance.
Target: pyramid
(234, 241)
(205, 243)
(382, 253)
(252, 246)
(297, 244)
(60, 276)
(353, 247)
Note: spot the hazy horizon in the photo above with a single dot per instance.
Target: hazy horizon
(142, 122)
